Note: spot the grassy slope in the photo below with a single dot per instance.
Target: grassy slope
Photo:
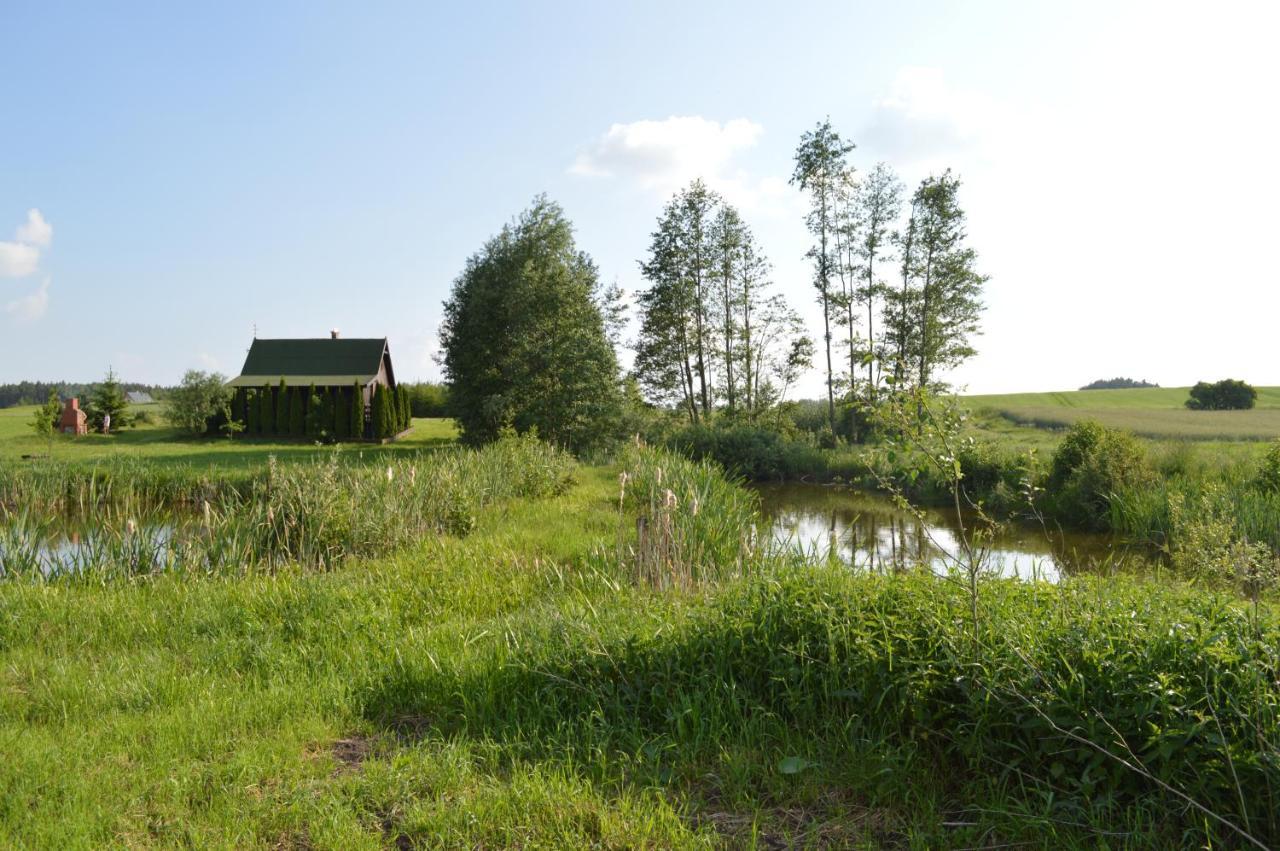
(1151, 412)
(165, 445)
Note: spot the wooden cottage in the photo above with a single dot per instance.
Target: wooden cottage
(330, 363)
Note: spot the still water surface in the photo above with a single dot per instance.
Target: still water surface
(868, 531)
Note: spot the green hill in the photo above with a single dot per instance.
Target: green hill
(1156, 412)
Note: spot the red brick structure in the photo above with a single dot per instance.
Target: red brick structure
(73, 419)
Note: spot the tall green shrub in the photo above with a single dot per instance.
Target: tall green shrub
(282, 408)
(357, 411)
(380, 412)
(267, 414)
(315, 406)
(252, 411)
(297, 413)
(342, 413)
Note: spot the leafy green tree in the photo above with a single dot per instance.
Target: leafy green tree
(675, 348)
(267, 412)
(524, 338)
(949, 301)
(876, 206)
(45, 419)
(1226, 395)
(108, 399)
(822, 170)
(282, 407)
(297, 412)
(357, 411)
(198, 402)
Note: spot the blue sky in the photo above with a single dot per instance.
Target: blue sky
(199, 169)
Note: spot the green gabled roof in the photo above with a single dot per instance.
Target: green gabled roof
(299, 380)
(308, 359)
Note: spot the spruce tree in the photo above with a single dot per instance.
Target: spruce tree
(108, 399)
(267, 414)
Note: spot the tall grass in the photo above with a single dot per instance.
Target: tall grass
(313, 515)
(691, 523)
(1096, 700)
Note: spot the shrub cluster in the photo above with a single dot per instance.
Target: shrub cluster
(1091, 465)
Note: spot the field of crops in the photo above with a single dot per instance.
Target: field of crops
(1155, 412)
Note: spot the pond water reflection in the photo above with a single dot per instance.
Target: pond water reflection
(868, 531)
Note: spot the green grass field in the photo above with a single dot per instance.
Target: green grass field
(164, 445)
(1157, 413)
(514, 683)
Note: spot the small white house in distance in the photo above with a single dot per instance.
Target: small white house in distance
(139, 397)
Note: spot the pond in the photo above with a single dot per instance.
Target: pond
(869, 531)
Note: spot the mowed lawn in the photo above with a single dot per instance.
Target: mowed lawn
(1151, 412)
(157, 442)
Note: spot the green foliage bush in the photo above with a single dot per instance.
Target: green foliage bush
(428, 399)
(1090, 465)
(753, 452)
(297, 412)
(1269, 474)
(195, 404)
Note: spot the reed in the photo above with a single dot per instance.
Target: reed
(313, 515)
(691, 523)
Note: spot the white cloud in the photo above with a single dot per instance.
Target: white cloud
(207, 361)
(663, 156)
(21, 257)
(667, 153)
(36, 231)
(30, 307)
(18, 260)
(925, 118)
